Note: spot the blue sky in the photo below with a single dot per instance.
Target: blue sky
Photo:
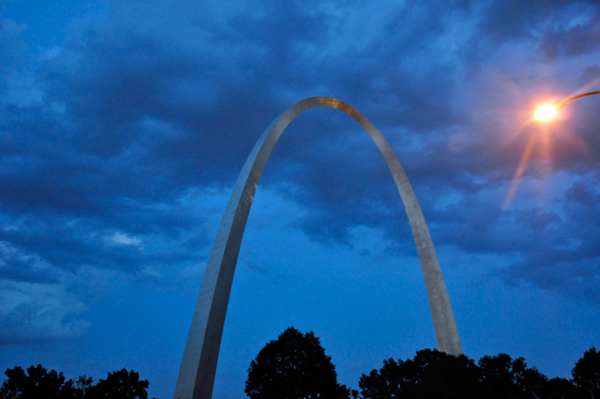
(124, 125)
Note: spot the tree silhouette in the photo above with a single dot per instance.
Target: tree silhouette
(121, 384)
(37, 383)
(82, 387)
(586, 374)
(507, 378)
(560, 388)
(294, 366)
(430, 374)
(448, 376)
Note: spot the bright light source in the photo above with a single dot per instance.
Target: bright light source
(545, 112)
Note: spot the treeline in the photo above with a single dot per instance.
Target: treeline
(432, 374)
(295, 366)
(39, 383)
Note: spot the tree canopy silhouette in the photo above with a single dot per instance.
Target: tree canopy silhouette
(431, 374)
(39, 383)
(120, 384)
(560, 388)
(504, 377)
(294, 366)
(586, 374)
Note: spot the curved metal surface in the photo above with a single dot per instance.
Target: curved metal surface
(199, 364)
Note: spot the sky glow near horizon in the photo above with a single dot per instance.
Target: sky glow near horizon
(124, 125)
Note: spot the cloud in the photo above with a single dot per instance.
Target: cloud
(119, 238)
(573, 35)
(258, 268)
(146, 112)
(20, 266)
(34, 312)
(35, 306)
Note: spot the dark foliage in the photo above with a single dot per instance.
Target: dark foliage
(431, 374)
(121, 384)
(503, 377)
(294, 366)
(586, 374)
(38, 383)
(560, 388)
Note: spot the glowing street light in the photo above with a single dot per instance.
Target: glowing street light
(543, 113)
(548, 111)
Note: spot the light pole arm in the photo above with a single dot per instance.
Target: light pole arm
(581, 95)
(562, 103)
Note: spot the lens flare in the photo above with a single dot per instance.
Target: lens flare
(545, 112)
(545, 137)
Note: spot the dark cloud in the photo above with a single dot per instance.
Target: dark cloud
(259, 268)
(35, 305)
(44, 316)
(570, 40)
(590, 74)
(564, 253)
(151, 103)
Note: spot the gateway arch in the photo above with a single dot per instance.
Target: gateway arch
(199, 364)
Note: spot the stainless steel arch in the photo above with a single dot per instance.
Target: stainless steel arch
(199, 364)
